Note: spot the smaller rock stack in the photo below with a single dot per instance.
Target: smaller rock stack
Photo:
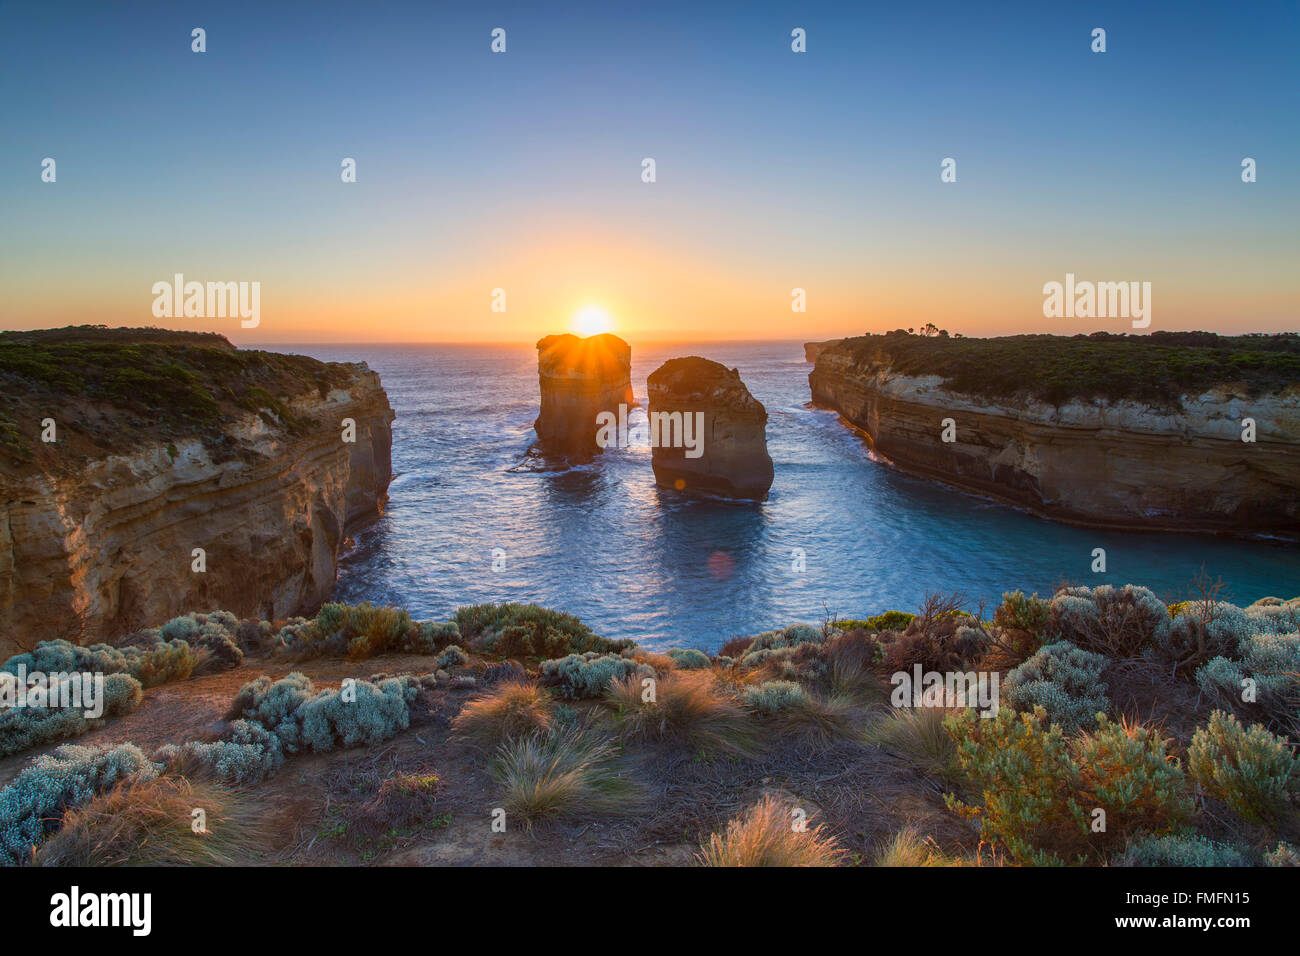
(707, 404)
(579, 379)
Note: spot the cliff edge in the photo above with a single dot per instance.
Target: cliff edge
(1172, 431)
(144, 473)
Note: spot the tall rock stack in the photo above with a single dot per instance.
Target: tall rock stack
(579, 379)
(707, 404)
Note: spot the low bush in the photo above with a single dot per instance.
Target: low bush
(1038, 790)
(768, 835)
(530, 632)
(888, 621)
(22, 728)
(1263, 686)
(248, 754)
(1284, 854)
(579, 676)
(1125, 622)
(1019, 766)
(72, 775)
(1251, 770)
(452, 656)
(1062, 679)
(1181, 850)
(688, 659)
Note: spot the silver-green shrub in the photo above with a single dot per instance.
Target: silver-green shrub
(1124, 622)
(452, 656)
(276, 705)
(1185, 850)
(584, 675)
(249, 753)
(377, 712)
(22, 728)
(775, 696)
(688, 658)
(33, 804)
(1062, 679)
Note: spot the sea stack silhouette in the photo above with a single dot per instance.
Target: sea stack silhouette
(579, 379)
(718, 412)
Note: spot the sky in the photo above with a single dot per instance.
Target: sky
(522, 170)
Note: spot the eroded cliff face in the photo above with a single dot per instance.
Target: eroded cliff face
(94, 552)
(1105, 464)
(707, 406)
(580, 378)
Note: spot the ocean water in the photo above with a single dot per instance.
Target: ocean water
(632, 560)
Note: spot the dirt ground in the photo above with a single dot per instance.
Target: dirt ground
(863, 794)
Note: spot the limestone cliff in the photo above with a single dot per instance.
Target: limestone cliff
(1100, 462)
(813, 349)
(708, 433)
(98, 529)
(580, 378)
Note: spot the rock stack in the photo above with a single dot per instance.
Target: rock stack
(579, 379)
(708, 433)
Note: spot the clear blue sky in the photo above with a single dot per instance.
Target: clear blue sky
(522, 170)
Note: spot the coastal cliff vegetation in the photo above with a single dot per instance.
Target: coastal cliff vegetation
(150, 383)
(1155, 369)
(1115, 706)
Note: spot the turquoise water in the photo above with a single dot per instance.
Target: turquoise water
(632, 560)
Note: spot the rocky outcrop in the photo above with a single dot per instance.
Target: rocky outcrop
(1117, 464)
(707, 432)
(813, 349)
(579, 379)
(96, 550)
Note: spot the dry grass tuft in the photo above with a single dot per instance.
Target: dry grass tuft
(150, 823)
(511, 709)
(766, 836)
(562, 773)
(918, 734)
(689, 708)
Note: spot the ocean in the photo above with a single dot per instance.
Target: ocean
(472, 519)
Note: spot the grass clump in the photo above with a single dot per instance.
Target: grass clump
(918, 734)
(769, 835)
(512, 709)
(686, 708)
(798, 711)
(150, 822)
(561, 773)
(909, 847)
(1251, 770)
(34, 803)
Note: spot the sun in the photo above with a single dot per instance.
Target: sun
(592, 320)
